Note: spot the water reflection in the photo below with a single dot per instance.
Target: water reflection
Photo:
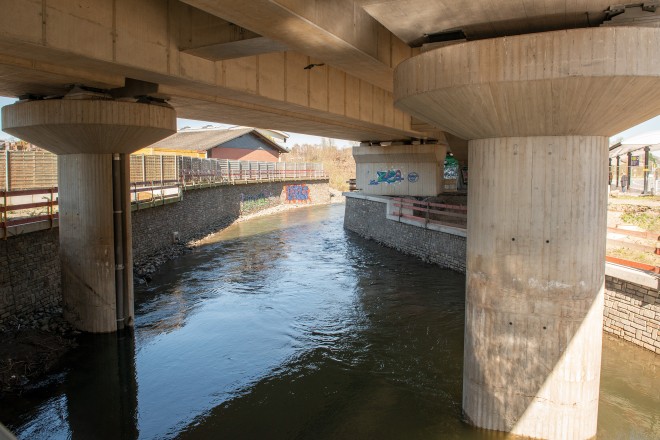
(289, 327)
(95, 398)
(101, 390)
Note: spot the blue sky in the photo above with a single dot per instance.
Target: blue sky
(296, 138)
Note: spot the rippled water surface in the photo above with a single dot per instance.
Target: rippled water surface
(289, 327)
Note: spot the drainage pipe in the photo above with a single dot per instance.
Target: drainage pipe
(117, 214)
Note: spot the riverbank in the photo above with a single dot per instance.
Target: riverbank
(144, 268)
(30, 346)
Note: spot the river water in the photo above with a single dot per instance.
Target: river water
(290, 327)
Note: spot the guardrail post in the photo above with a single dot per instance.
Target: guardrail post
(162, 171)
(50, 208)
(7, 174)
(4, 213)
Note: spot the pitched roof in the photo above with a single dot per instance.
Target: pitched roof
(205, 139)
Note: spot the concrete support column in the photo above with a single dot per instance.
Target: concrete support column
(537, 225)
(95, 230)
(86, 240)
(536, 110)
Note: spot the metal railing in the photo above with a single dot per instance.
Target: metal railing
(155, 180)
(429, 212)
(14, 210)
(456, 216)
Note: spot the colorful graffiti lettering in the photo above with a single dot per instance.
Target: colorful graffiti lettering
(413, 177)
(297, 194)
(389, 177)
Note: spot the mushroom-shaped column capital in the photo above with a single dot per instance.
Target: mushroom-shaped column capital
(593, 81)
(72, 126)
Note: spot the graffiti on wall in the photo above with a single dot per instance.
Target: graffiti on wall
(451, 168)
(297, 194)
(255, 202)
(413, 177)
(389, 177)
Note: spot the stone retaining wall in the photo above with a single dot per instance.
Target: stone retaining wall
(207, 209)
(632, 307)
(632, 302)
(29, 273)
(366, 215)
(30, 265)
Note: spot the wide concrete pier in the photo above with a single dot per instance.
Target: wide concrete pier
(535, 109)
(93, 138)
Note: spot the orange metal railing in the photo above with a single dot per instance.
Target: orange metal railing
(50, 194)
(430, 212)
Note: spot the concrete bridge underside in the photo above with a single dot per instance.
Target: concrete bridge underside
(526, 91)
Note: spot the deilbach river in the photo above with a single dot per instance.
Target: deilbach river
(290, 327)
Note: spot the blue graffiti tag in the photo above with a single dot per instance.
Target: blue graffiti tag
(297, 193)
(413, 177)
(389, 177)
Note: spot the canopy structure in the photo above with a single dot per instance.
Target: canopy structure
(635, 143)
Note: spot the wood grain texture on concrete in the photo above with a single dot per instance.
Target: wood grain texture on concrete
(595, 81)
(535, 279)
(338, 32)
(537, 110)
(86, 241)
(44, 46)
(67, 126)
(411, 19)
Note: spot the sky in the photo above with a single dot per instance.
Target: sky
(297, 138)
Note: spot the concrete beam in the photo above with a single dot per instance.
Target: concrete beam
(410, 20)
(340, 33)
(46, 45)
(207, 36)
